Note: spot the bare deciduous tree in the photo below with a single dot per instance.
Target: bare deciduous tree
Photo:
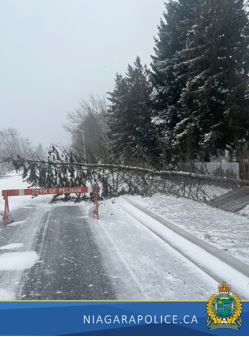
(88, 128)
(12, 145)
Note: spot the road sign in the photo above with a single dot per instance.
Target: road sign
(49, 190)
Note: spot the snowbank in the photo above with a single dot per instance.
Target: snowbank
(18, 260)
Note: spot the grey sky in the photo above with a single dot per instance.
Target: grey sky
(53, 53)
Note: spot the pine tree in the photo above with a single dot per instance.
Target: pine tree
(200, 78)
(216, 96)
(141, 128)
(167, 79)
(131, 132)
(213, 105)
(116, 117)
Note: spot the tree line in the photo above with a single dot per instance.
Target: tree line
(13, 145)
(190, 103)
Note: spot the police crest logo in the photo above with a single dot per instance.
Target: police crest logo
(224, 310)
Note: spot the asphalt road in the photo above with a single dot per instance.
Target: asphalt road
(70, 265)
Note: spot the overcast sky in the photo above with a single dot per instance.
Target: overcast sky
(54, 53)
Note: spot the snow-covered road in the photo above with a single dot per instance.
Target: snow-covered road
(70, 264)
(51, 254)
(56, 251)
(143, 266)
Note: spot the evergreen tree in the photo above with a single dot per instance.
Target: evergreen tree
(116, 117)
(200, 78)
(131, 132)
(214, 102)
(167, 79)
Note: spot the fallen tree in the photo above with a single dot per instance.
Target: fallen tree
(63, 169)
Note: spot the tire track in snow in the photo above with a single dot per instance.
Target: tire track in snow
(125, 264)
(160, 272)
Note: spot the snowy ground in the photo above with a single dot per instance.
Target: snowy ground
(17, 238)
(140, 264)
(213, 192)
(224, 230)
(113, 258)
(172, 276)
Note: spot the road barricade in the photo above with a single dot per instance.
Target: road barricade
(53, 190)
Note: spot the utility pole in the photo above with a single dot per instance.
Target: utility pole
(84, 145)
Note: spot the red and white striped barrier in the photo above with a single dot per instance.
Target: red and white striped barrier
(53, 190)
